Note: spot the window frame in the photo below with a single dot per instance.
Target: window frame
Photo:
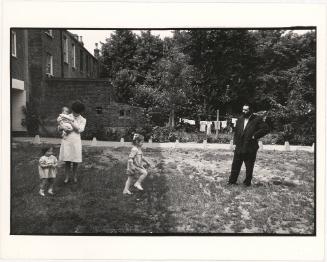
(13, 44)
(51, 65)
(66, 54)
(81, 60)
(124, 115)
(74, 55)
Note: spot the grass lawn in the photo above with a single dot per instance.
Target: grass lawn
(185, 192)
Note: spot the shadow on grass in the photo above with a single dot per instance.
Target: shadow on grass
(94, 205)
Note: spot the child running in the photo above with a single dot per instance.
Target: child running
(47, 170)
(135, 165)
(64, 122)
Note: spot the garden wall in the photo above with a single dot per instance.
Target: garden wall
(103, 114)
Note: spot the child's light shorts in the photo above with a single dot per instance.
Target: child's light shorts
(136, 172)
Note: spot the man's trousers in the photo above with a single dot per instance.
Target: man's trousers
(239, 158)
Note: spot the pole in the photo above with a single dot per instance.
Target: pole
(217, 123)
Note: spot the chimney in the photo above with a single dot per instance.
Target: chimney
(81, 40)
(96, 51)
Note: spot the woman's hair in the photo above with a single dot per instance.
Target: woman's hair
(45, 149)
(137, 138)
(78, 107)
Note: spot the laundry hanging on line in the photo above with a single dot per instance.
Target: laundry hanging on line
(223, 124)
(203, 125)
(217, 125)
(209, 127)
(188, 121)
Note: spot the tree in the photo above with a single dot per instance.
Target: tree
(175, 82)
(224, 60)
(123, 84)
(118, 53)
(147, 54)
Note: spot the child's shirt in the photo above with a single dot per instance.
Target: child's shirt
(137, 156)
(45, 161)
(47, 166)
(65, 118)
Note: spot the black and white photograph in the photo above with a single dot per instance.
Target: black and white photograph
(163, 132)
(177, 131)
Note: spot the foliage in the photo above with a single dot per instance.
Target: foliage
(198, 71)
(118, 53)
(32, 118)
(163, 134)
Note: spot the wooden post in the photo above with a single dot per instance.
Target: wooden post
(94, 142)
(231, 145)
(205, 143)
(37, 140)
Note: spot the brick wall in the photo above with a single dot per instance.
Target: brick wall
(41, 44)
(35, 56)
(88, 71)
(98, 97)
(17, 63)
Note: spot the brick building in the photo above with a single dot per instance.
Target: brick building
(53, 68)
(19, 77)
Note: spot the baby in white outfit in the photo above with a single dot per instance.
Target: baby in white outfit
(64, 121)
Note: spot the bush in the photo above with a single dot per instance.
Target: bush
(166, 134)
(185, 137)
(221, 139)
(273, 139)
(163, 134)
(32, 118)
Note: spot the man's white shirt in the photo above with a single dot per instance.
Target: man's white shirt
(246, 120)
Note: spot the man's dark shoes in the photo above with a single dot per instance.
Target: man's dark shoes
(246, 184)
(231, 184)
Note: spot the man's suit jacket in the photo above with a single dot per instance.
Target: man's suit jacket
(243, 138)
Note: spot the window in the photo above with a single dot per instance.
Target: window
(49, 65)
(124, 113)
(81, 60)
(87, 63)
(98, 110)
(49, 32)
(13, 44)
(74, 56)
(91, 67)
(65, 50)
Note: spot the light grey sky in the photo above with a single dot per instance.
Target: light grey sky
(90, 37)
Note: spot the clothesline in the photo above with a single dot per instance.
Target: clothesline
(207, 126)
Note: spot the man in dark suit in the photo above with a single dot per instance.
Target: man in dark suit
(249, 128)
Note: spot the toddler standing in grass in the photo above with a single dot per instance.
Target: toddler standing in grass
(47, 170)
(135, 165)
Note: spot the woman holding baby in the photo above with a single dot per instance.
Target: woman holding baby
(71, 144)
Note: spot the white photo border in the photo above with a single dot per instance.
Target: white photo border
(75, 14)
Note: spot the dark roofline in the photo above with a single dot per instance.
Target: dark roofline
(72, 36)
